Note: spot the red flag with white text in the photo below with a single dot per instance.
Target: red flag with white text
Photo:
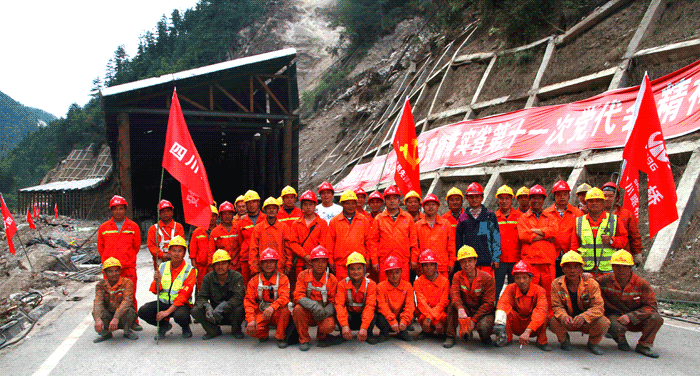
(182, 161)
(629, 183)
(9, 223)
(646, 151)
(30, 221)
(407, 174)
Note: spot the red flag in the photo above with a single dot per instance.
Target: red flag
(629, 182)
(182, 161)
(10, 225)
(36, 211)
(55, 209)
(646, 151)
(30, 220)
(407, 174)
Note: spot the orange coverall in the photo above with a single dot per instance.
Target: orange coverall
(199, 252)
(393, 237)
(433, 298)
(251, 303)
(345, 238)
(566, 227)
(589, 300)
(288, 219)
(299, 233)
(540, 254)
(342, 307)
(230, 241)
(525, 311)
(302, 317)
(396, 304)
(165, 234)
(275, 236)
(440, 238)
(121, 244)
(245, 227)
(634, 241)
(478, 300)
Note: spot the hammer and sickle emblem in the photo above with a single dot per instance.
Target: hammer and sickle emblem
(410, 155)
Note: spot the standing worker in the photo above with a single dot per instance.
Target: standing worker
(199, 246)
(629, 221)
(271, 233)
(356, 300)
(246, 225)
(113, 307)
(432, 294)
(566, 214)
(507, 218)
(435, 233)
(120, 238)
(455, 200)
(306, 233)
(412, 203)
(226, 236)
(581, 195)
(348, 232)
(289, 213)
(241, 208)
(327, 210)
(376, 201)
(220, 299)
(395, 302)
(523, 197)
(361, 200)
(478, 228)
(167, 229)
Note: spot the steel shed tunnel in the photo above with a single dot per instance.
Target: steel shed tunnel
(240, 113)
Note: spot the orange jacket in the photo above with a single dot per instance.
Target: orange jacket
(288, 219)
(541, 251)
(566, 227)
(251, 303)
(245, 227)
(299, 231)
(433, 297)
(590, 300)
(421, 215)
(364, 212)
(306, 277)
(165, 234)
(199, 247)
(619, 240)
(345, 238)
(274, 236)
(440, 238)
(393, 237)
(508, 227)
(183, 296)
(344, 295)
(121, 244)
(634, 241)
(532, 306)
(478, 297)
(396, 303)
(230, 241)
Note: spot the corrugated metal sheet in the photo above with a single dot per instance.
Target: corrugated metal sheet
(65, 185)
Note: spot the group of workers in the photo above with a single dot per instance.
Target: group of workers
(339, 267)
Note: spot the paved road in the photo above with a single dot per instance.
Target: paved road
(62, 345)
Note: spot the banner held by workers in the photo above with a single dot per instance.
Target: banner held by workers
(407, 172)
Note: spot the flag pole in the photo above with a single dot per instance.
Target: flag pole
(31, 268)
(157, 259)
(393, 134)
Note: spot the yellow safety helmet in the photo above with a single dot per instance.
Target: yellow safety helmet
(622, 257)
(504, 190)
(465, 252)
(583, 188)
(288, 190)
(454, 191)
(214, 210)
(250, 196)
(356, 258)
(348, 195)
(411, 194)
(220, 255)
(110, 262)
(280, 201)
(270, 201)
(571, 256)
(178, 240)
(522, 191)
(239, 199)
(595, 193)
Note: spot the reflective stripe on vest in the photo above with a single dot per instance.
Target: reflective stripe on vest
(508, 222)
(163, 242)
(171, 288)
(350, 302)
(323, 289)
(594, 252)
(262, 287)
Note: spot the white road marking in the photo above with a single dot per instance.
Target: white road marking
(432, 359)
(64, 347)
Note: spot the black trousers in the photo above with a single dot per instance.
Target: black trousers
(181, 315)
(504, 269)
(235, 319)
(355, 322)
(382, 324)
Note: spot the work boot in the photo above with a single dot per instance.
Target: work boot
(187, 332)
(501, 336)
(595, 349)
(282, 344)
(544, 347)
(330, 341)
(622, 345)
(128, 334)
(103, 337)
(304, 346)
(212, 335)
(373, 340)
(467, 337)
(136, 327)
(404, 336)
(264, 339)
(646, 351)
(163, 330)
(449, 342)
(486, 340)
(238, 334)
(566, 345)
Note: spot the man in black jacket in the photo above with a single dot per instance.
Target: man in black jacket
(478, 227)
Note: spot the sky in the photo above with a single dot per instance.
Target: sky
(50, 51)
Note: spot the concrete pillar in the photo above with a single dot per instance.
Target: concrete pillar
(578, 176)
(495, 181)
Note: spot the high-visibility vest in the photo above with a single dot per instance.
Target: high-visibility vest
(350, 302)
(594, 252)
(170, 288)
(261, 288)
(323, 289)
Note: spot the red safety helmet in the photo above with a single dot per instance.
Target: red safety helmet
(560, 186)
(538, 190)
(392, 262)
(269, 254)
(431, 197)
(325, 185)
(226, 206)
(610, 186)
(308, 196)
(116, 201)
(319, 252)
(427, 256)
(475, 189)
(165, 204)
(375, 195)
(360, 191)
(522, 267)
(392, 190)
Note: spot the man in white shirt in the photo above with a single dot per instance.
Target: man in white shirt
(327, 209)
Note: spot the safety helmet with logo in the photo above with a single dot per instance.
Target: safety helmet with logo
(308, 196)
(392, 190)
(522, 191)
(571, 256)
(165, 204)
(110, 262)
(561, 186)
(288, 190)
(431, 198)
(325, 186)
(348, 195)
(411, 194)
(583, 188)
(220, 255)
(392, 262)
(117, 200)
(226, 206)
(622, 257)
(319, 252)
(269, 254)
(522, 267)
(454, 191)
(213, 209)
(251, 196)
(359, 191)
(595, 193)
(427, 256)
(376, 195)
(465, 252)
(475, 189)
(177, 240)
(355, 258)
(504, 190)
(239, 199)
(538, 190)
(270, 201)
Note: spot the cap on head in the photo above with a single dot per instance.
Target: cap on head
(475, 189)
(466, 252)
(504, 190)
(376, 195)
(250, 196)
(427, 256)
(213, 209)
(220, 255)
(537, 190)
(392, 262)
(454, 191)
(288, 190)
(522, 267)
(269, 254)
(163, 204)
(356, 258)
(359, 191)
(522, 191)
(431, 198)
(622, 257)
(583, 188)
(411, 194)
(561, 186)
(571, 256)
(348, 195)
(270, 201)
(392, 190)
(325, 186)
(239, 199)
(309, 196)
(226, 206)
(177, 240)
(319, 252)
(116, 201)
(110, 262)
(595, 193)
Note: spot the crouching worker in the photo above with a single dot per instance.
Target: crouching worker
(630, 305)
(578, 305)
(356, 300)
(266, 299)
(522, 310)
(220, 299)
(395, 302)
(314, 295)
(473, 295)
(113, 308)
(175, 282)
(433, 295)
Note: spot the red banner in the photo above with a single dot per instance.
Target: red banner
(9, 223)
(603, 121)
(407, 173)
(30, 221)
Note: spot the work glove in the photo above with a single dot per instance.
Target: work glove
(637, 259)
(209, 314)
(498, 329)
(223, 309)
(317, 311)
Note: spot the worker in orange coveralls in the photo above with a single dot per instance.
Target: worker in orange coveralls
(348, 232)
(507, 218)
(199, 246)
(375, 201)
(356, 301)
(241, 208)
(167, 229)
(566, 213)
(435, 233)
(226, 236)
(271, 233)
(455, 200)
(246, 225)
(412, 203)
(361, 200)
(629, 221)
(306, 233)
(432, 294)
(289, 213)
(395, 303)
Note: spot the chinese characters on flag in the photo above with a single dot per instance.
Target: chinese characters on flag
(182, 161)
(407, 173)
(10, 225)
(646, 151)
